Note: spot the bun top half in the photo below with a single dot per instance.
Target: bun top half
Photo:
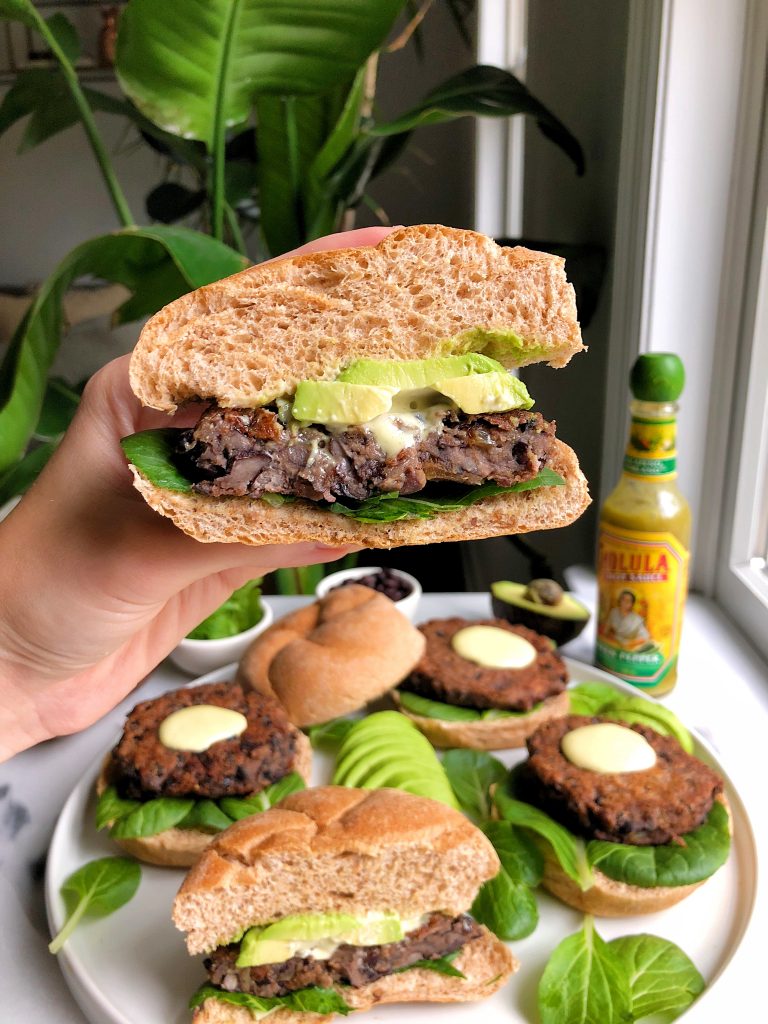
(253, 337)
(333, 849)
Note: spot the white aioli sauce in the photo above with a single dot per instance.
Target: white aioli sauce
(413, 414)
(493, 647)
(199, 726)
(608, 747)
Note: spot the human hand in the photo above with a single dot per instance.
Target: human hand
(96, 588)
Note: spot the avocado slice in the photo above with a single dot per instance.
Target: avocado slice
(416, 373)
(497, 391)
(273, 944)
(561, 622)
(330, 401)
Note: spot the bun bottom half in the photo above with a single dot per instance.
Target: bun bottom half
(182, 847)
(243, 520)
(486, 962)
(495, 734)
(609, 898)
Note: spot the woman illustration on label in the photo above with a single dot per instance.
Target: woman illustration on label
(624, 626)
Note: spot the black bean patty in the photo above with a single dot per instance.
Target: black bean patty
(347, 965)
(645, 808)
(444, 675)
(142, 768)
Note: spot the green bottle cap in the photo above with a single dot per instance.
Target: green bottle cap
(657, 377)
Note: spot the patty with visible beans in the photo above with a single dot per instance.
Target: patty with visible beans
(347, 965)
(444, 675)
(142, 768)
(645, 808)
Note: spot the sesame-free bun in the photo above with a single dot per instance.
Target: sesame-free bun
(334, 849)
(245, 520)
(486, 964)
(333, 656)
(182, 847)
(253, 337)
(609, 898)
(492, 734)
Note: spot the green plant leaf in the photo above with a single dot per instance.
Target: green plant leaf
(704, 851)
(507, 907)
(427, 708)
(151, 451)
(583, 984)
(112, 807)
(442, 965)
(151, 817)
(169, 201)
(519, 855)
(306, 1000)
(19, 10)
(207, 816)
(23, 473)
(595, 698)
(96, 889)
(188, 65)
(484, 91)
(565, 846)
(663, 981)
(242, 610)
(158, 263)
(329, 735)
(243, 807)
(65, 34)
(471, 774)
(60, 404)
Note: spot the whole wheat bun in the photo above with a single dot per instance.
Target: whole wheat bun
(333, 849)
(494, 734)
(182, 847)
(333, 656)
(609, 898)
(253, 337)
(486, 964)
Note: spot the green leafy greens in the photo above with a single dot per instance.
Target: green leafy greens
(427, 708)
(590, 981)
(96, 889)
(602, 699)
(151, 451)
(306, 1000)
(241, 611)
(134, 819)
(330, 735)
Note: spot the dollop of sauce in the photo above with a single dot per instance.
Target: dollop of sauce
(199, 726)
(608, 747)
(493, 647)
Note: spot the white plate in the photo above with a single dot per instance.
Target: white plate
(132, 967)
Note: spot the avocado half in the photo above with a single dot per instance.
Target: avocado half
(561, 622)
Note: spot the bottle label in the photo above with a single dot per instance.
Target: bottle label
(642, 583)
(651, 452)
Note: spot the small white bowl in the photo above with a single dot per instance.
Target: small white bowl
(406, 605)
(200, 656)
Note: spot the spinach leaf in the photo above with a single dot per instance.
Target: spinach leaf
(112, 807)
(242, 610)
(705, 850)
(308, 1000)
(663, 980)
(419, 705)
(97, 889)
(443, 965)
(601, 699)
(565, 846)
(507, 907)
(519, 855)
(583, 984)
(471, 774)
(151, 817)
(330, 735)
(151, 451)
(243, 807)
(206, 816)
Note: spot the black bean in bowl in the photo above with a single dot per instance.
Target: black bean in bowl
(386, 581)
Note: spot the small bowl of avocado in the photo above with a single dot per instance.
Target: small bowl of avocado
(541, 605)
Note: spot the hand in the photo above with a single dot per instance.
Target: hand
(96, 588)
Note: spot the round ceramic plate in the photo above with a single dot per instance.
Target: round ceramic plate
(133, 968)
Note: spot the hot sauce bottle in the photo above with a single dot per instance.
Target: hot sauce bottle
(644, 538)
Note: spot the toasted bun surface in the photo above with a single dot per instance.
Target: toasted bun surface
(334, 656)
(609, 898)
(494, 734)
(248, 521)
(333, 849)
(486, 964)
(253, 337)
(182, 847)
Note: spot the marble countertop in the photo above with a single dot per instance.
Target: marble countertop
(722, 691)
